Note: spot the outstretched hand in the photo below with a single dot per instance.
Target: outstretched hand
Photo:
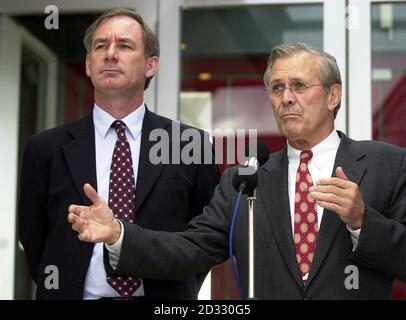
(341, 196)
(95, 223)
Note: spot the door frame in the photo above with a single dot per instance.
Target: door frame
(12, 40)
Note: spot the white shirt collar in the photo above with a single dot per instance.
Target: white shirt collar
(322, 152)
(103, 120)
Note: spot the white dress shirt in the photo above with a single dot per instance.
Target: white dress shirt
(96, 285)
(320, 166)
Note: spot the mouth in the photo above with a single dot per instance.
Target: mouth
(290, 115)
(111, 71)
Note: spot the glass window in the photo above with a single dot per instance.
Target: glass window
(389, 72)
(388, 31)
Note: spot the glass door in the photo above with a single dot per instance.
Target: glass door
(221, 52)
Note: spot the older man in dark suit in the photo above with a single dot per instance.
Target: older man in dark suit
(329, 208)
(110, 149)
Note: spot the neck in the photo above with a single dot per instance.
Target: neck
(308, 144)
(118, 106)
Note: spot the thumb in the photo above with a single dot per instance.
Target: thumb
(340, 173)
(91, 194)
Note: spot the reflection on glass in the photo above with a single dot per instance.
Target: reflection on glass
(389, 81)
(389, 72)
(224, 54)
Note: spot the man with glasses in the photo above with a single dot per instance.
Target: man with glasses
(330, 213)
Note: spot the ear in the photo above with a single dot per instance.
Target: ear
(152, 66)
(88, 67)
(334, 96)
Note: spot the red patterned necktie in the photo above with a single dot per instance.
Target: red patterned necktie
(121, 199)
(306, 226)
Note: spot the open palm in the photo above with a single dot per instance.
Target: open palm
(94, 223)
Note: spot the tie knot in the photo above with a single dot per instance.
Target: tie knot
(305, 156)
(119, 126)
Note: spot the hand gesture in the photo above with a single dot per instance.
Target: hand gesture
(341, 196)
(95, 223)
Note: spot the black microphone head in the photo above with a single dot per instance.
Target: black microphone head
(259, 150)
(245, 183)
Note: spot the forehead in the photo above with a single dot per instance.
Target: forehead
(118, 26)
(297, 66)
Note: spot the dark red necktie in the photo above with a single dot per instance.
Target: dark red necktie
(306, 227)
(122, 199)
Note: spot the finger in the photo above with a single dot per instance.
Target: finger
(84, 236)
(328, 189)
(330, 206)
(340, 183)
(72, 217)
(79, 224)
(73, 208)
(75, 227)
(91, 194)
(327, 197)
(340, 174)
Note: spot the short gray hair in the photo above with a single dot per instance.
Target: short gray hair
(329, 74)
(151, 41)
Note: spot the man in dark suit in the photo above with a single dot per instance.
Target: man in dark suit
(122, 58)
(330, 214)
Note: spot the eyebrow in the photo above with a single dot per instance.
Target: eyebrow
(120, 40)
(278, 80)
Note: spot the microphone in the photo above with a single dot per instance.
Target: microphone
(246, 177)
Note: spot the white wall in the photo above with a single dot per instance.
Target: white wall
(9, 111)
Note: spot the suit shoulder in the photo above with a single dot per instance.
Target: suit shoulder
(379, 147)
(60, 134)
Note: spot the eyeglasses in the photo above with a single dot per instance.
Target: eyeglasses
(277, 89)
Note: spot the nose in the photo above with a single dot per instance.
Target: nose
(111, 53)
(288, 97)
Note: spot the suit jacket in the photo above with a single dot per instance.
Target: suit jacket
(57, 163)
(380, 171)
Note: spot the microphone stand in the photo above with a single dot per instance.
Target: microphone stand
(251, 263)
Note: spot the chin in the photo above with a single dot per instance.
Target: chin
(111, 85)
(291, 133)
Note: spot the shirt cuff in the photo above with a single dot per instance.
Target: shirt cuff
(115, 248)
(354, 235)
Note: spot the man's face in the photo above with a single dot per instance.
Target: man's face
(116, 63)
(306, 116)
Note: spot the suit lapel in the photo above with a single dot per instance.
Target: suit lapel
(273, 190)
(349, 157)
(148, 173)
(80, 155)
